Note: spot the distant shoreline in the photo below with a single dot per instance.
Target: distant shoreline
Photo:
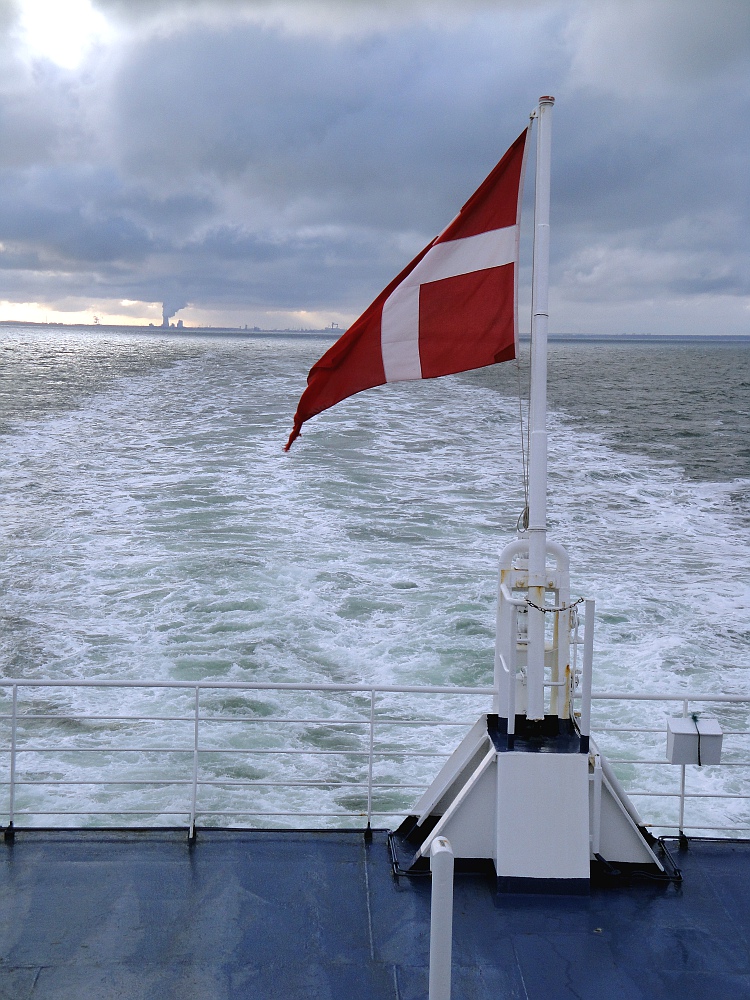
(328, 333)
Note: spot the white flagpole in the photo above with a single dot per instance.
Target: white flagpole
(538, 414)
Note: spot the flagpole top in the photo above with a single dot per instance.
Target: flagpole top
(546, 100)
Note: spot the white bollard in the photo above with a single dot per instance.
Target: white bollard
(441, 919)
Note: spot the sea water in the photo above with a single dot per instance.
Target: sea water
(153, 529)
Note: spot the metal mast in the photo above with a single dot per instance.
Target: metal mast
(538, 414)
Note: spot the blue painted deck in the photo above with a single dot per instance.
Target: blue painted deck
(319, 916)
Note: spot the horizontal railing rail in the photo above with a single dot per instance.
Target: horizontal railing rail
(35, 734)
(680, 794)
(218, 757)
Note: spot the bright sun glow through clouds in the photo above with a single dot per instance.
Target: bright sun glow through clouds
(61, 30)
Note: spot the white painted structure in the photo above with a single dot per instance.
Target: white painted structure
(441, 919)
(537, 816)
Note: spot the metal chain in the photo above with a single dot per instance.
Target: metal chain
(563, 607)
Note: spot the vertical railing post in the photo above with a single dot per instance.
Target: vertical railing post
(441, 919)
(512, 671)
(12, 790)
(681, 821)
(369, 761)
(587, 673)
(554, 691)
(194, 789)
(596, 831)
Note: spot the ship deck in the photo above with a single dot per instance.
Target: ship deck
(320, 915)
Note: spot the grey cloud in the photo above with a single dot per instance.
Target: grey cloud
(39, 114)
(66, 216)
(9, 10)
(228, 266)
(174, 214)
(638, 46)
(614, 271)
(372, 133)
(135, 9)
(242, 164)
(230, 242)
(632, 162)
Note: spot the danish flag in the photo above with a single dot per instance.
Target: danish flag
(451, 309)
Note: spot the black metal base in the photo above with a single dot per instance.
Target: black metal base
(547, 735)
(543, 886)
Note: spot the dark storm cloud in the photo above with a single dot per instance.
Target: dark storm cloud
(219, 160)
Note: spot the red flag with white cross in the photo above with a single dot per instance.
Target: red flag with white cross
(451, 309)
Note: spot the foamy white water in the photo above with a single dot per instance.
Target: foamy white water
(154, 529)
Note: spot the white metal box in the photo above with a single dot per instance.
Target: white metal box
(693, 742)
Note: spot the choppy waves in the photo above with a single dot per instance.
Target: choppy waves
(153, 529)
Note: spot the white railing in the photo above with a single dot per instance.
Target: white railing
(681, 798)
(217, 755)
(172, 753)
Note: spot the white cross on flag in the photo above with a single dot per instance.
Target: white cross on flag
(451, 309)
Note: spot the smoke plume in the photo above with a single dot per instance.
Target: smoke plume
(169, 308)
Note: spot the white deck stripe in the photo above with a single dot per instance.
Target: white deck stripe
(399, 328)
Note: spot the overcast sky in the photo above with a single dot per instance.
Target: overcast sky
(276, 164)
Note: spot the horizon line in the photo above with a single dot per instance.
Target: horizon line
(246, 330)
